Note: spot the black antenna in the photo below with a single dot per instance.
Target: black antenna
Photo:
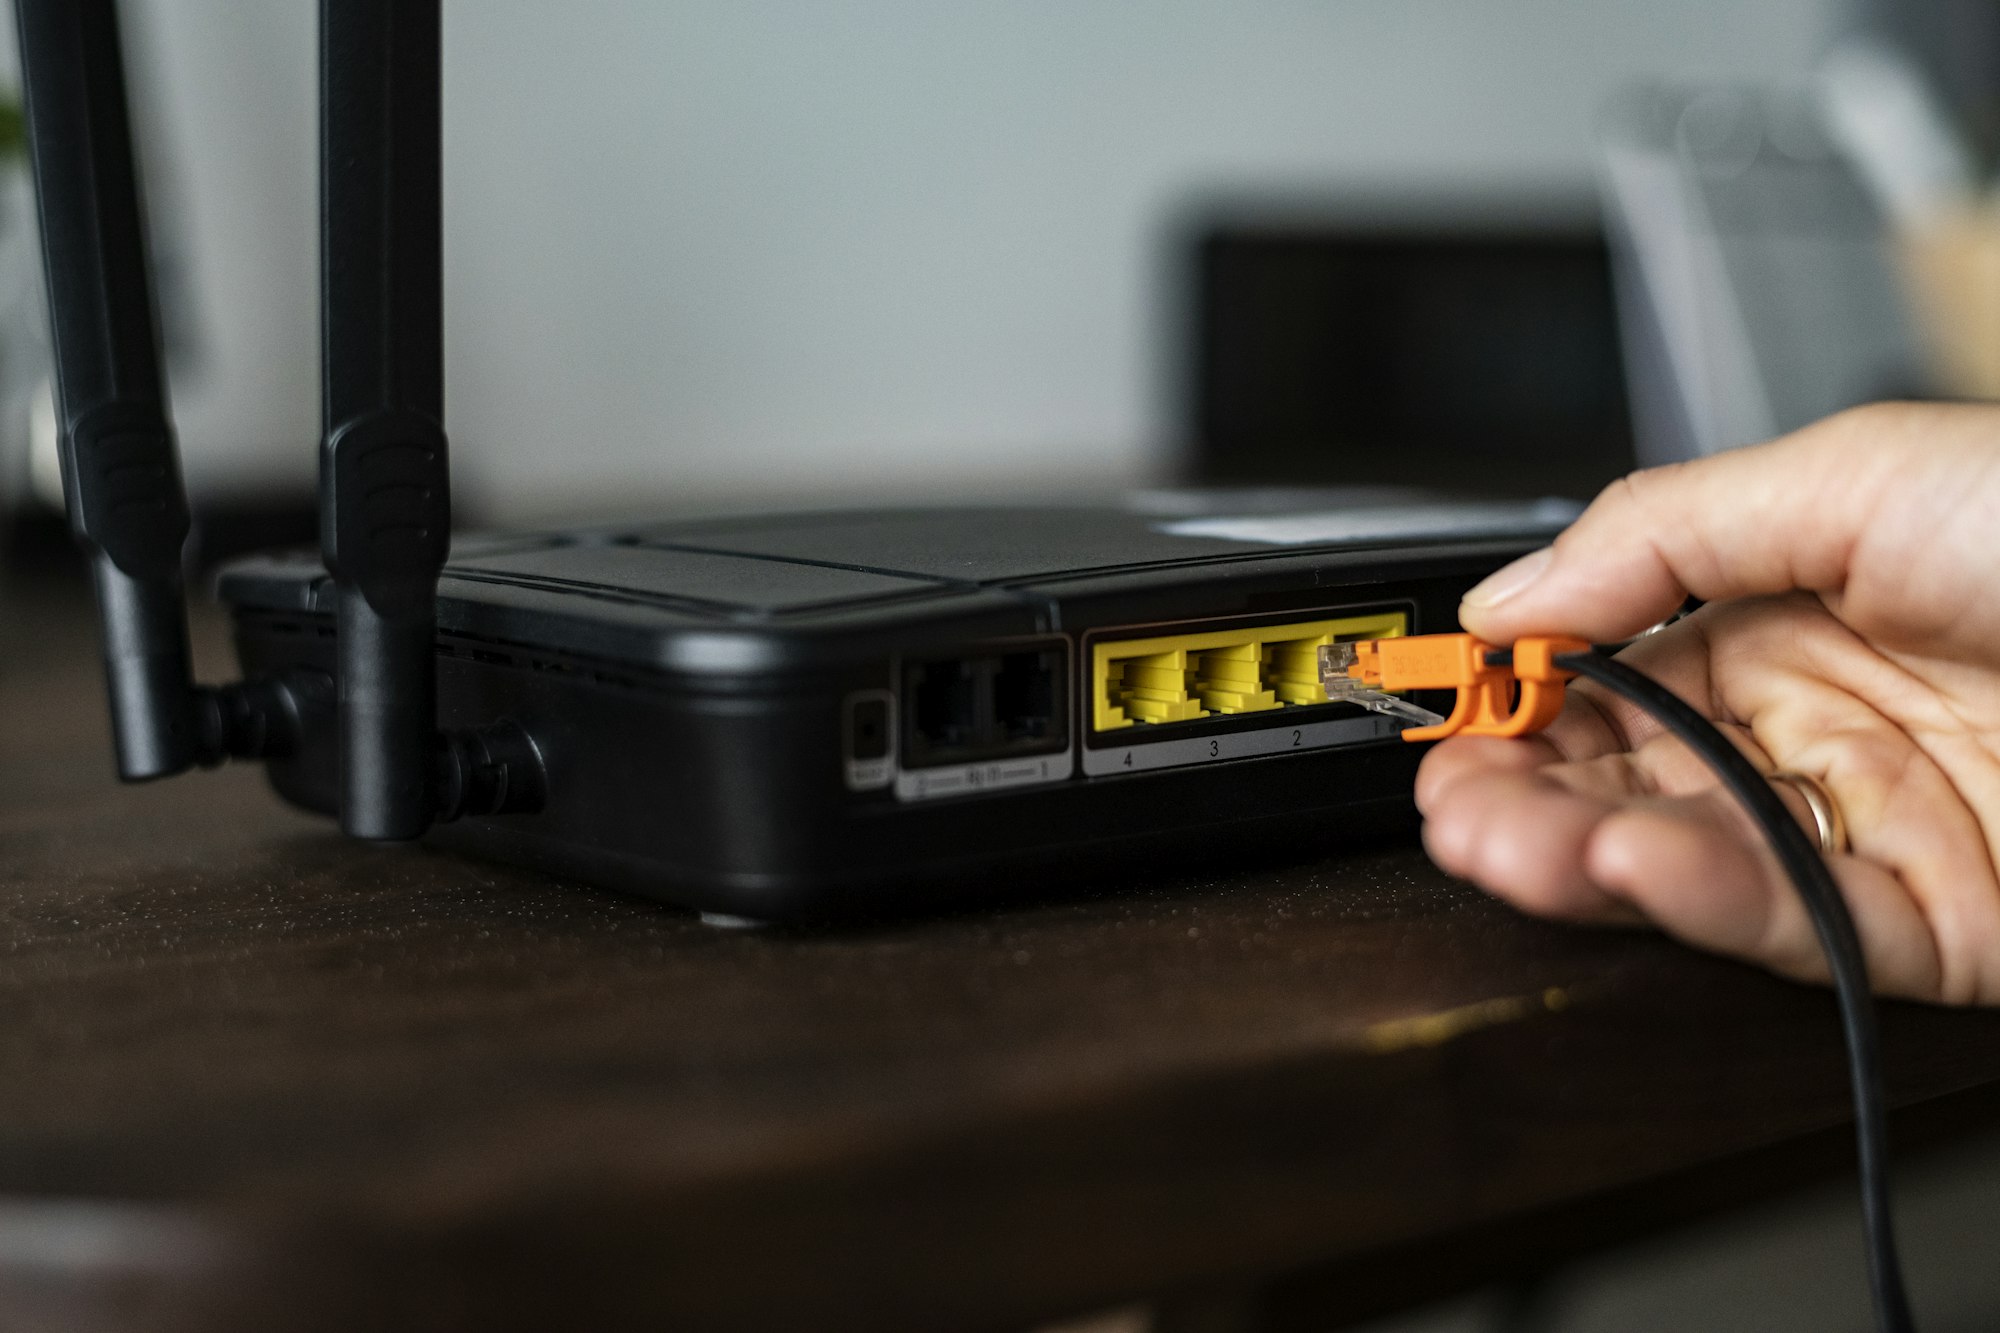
(386, 514)
(121, 475)
(385, 507)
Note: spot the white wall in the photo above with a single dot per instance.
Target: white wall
(745, 244)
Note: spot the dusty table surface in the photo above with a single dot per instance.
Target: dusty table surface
(252, 1075)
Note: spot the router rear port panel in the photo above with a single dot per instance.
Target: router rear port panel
(1211, 690)
(752, 792)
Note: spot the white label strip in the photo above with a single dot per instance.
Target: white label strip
(1498, 518)
(921, 784)
(1236, 744)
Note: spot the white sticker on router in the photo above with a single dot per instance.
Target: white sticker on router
(1505, 518)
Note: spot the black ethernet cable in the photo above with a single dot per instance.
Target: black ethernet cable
(1807, 869)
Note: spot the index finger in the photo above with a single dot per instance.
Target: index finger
(1773, 518)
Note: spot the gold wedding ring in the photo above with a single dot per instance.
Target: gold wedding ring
(1825, 810)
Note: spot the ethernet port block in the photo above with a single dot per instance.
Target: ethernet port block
(1220, 672)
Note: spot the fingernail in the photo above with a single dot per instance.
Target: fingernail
(1509, 580)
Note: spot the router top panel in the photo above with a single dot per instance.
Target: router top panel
(671, 595)
(787, 567)
(960, 546)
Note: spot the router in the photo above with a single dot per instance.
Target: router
(787, 716)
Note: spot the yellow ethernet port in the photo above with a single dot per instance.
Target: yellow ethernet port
(1182, 677)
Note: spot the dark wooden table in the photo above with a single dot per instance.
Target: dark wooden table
(253, 1076)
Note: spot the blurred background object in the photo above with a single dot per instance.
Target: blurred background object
(1756, 272)
(1953, 265)
(1955, 45)
(1920, 111)
(714, 254)
(1469, 342)
(726, 253)
(23, 322)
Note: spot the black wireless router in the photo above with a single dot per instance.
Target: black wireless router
(785, 716)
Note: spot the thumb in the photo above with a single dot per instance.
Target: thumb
(1768, 519)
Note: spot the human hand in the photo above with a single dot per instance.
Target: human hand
(1852, 633)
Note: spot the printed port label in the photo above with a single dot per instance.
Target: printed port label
(870, 774)
(922, 784)
(1200, 749)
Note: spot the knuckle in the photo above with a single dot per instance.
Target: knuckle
(1648, 505)
(1625, 496)
(1866, 419)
